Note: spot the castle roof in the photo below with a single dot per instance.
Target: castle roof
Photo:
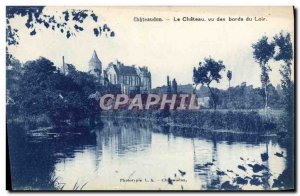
(132, 70)
(127, 70)
(95, 61)
(122, 69)
(143, 71)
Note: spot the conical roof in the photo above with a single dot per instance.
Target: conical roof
(95, 62)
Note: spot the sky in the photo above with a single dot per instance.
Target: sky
(168, 47)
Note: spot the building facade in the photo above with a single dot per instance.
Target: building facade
(131, 79)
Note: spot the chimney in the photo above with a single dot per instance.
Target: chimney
(63, 65)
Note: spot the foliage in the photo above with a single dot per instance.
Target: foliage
(263, 52)
(207, 72)
(69, 22)
(243, 96)
(174, 86)
(229, 76)
(285, 54)
(283, 41)
(42, 89)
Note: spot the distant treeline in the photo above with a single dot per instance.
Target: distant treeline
(244, 97)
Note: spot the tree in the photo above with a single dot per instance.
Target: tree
(229, 76)
(44, 90)
(169, 88)
(13, 74)
(285, 54)
(207, 72)
(263, 52)
(37, 85)
(174, 86)
(69, 22)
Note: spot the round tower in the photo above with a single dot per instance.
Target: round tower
(95, 65)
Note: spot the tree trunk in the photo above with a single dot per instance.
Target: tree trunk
(213, 97)
(229, 91)
(266, 97)
(194, 90)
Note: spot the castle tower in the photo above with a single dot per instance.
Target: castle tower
(95, 65)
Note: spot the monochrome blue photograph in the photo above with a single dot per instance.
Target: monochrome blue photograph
(150, 98)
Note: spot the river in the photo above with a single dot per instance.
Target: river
(141, 155)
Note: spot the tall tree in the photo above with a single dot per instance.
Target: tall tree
(263, 52)
(229, 76)
(174, 86)
(169, 89)
(285, 54)
(207, 72)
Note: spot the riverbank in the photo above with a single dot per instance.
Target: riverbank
(217, 120)
(234, 121)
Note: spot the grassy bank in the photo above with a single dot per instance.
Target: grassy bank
(214, 120)
(30, 121)
(238, 121)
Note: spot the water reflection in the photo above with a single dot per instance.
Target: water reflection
(122, 154)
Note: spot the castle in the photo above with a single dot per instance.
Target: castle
(131, 79)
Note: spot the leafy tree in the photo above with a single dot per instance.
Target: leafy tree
(69, 22)
(214, 98)
(263, 52)
(174, 86)
(44, 90)
(229, 76)
(87, 85)
(274, 98)
(207, 72)
(36, 86)
(13, 73)
(285, 54)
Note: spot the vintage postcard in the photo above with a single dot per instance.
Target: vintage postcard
(150, 98)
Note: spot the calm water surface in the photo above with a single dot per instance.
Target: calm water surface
(138, 155)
